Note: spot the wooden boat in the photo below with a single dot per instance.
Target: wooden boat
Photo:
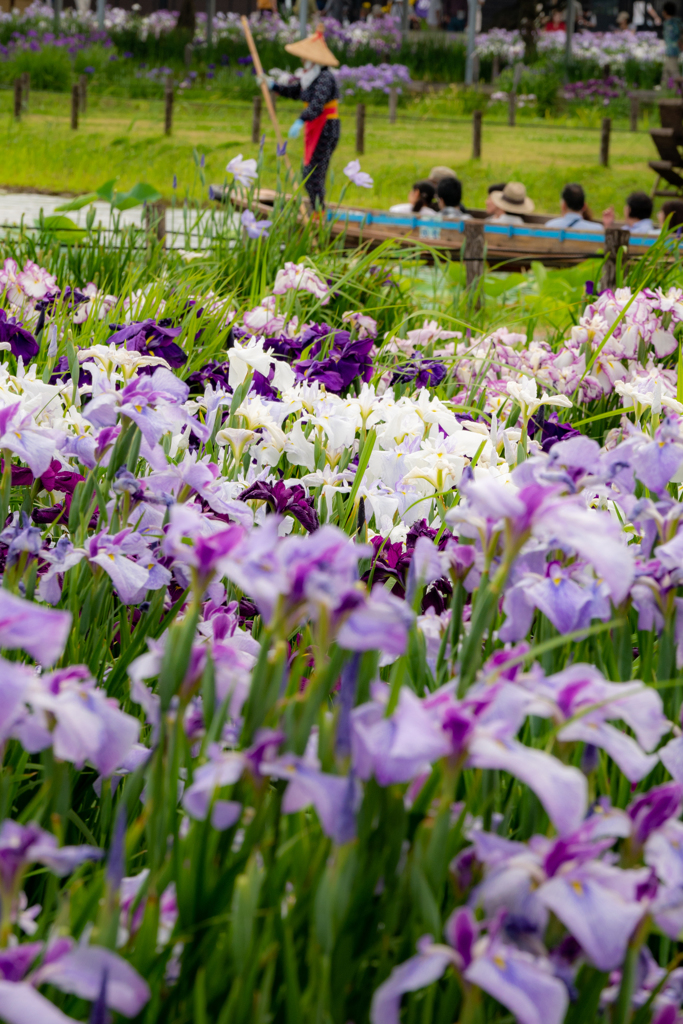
(506, 245)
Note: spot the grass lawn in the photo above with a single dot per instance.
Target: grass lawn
(124, 138)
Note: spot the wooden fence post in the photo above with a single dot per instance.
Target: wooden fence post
(473, 255)
(155, 221)
(476, 135)
(187, 55)
(475, 70)
(615, 239)
(25, 89)
(512, 108)
(256, 119)
(360, 129)
(495, 70)
(393, 104)
(634, 113)
(604, 141)
(210, 13)
(168, 107)
(17, 99)
(74, 105)
(517, 76)
(83, 93)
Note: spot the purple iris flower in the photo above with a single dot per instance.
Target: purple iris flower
(22, 845)
(285, 500)
(80, 969)
(255, 228)
(41, 632)
(21, 538)
(336, 798)
(381, 623)
(148, 336)
(525, 984)
(214, 373)
(62, 373)
(551, 430)
(223, 768)
(650, 810)
(288, 348)
(128, 561)
(343, 361)
(656, 463)
(21, 341)
(427, 373)
(151, 402)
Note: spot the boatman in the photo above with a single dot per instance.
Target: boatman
(317, 87)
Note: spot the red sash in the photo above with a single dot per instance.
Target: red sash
(313, 129)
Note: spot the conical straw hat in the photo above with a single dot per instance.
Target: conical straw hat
(315, 49)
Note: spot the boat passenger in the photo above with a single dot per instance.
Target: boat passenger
(449, 198)
(575, 216)
(509, 204)
(440, 172)
(421, 201)
(637, 215)
(489, 205)
(673, 209)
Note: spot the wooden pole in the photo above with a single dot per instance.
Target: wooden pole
(258, 67)
(17, 99)
(83, 92)
(168, 107)
(569, 34)
(100, 15)
(473, 255)
(517, 76)
(25, 89)
(495, 70)
(471, 41)
(512, 108)
(393, 104)
(210, 11)
(634, 113)
(187, 55)
(256, 120)
(615, 239)
(74, 105)
(360, 129)
(604, 141)
(476, 135)
(155, 220)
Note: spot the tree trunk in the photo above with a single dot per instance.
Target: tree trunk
(186, 17)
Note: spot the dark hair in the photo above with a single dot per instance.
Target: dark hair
(497, 188)
(450, 190)
(673, 208)
(574, 197)
(640, 205)
(669, 8)
(426, 196)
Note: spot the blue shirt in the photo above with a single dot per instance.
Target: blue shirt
(643, 227)
(574, 222)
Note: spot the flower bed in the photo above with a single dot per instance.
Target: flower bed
(341, 646)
